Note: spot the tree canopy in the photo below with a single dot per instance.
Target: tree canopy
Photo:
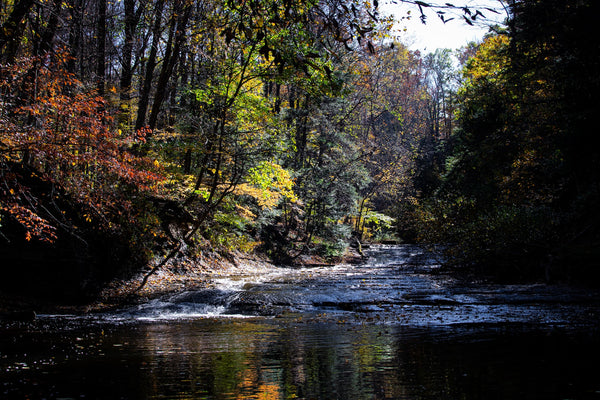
(293, 127)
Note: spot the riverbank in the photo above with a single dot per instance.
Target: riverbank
(195, 274)
(182, 274)
(187, 274)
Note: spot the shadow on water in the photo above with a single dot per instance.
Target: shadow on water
(389, 329)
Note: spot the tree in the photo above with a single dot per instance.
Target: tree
(131, 21)
(12, 29)
(101, 47)
(226, 96)
(150, 66)
(177, 29)
(511, 194)
(392, 118)
(53, 128)
(442, 84)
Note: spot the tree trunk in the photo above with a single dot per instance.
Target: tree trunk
(101, 49)
(131, 21)
(75, 37)
(12, 29)
(301, 133)
(164, 76)
(47, 35)
(176, 39)
(150, 66)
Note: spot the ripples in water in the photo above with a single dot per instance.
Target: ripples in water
(393, 328)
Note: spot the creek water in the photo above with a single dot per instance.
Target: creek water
(394, 327)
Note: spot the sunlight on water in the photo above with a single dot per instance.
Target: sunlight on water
(184, 313)
(397, 285)
(394, 327)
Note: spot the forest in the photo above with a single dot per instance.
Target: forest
(143, 134)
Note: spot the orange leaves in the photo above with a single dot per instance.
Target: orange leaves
(142, 133)
(35, 226)
(50, 122)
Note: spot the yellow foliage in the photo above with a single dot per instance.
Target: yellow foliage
(245, 212)
(266, 198)
(268, 183)
(490, 59)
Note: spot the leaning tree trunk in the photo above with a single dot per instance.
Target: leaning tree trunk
(171, 56)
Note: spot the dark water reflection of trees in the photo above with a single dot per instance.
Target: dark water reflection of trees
(261, 359)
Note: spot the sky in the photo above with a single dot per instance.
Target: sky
(435, 34)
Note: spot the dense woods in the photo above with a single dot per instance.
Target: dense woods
(520, 182)
(142, 133)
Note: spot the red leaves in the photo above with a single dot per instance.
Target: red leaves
(50, 122)
(142, 133)
(35, 226)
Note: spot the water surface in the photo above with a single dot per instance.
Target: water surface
(393, 328)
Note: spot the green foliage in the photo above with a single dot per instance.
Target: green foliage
(293, 126)
(378, 226)
(229, 230)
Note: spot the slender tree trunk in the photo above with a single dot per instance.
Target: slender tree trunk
(131, 21)
(187, 161)
(75, 36)
(101, 47)
(358, 226)
(127, 52)
(277, 105)
(47, 36)
(301, 135)
(150, 66)
(184, 74)
(163, 77)
(171, 56)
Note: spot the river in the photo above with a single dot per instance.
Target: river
(395, 327)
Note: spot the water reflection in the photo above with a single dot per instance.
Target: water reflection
(264, 359)
(393, 328)
(242, 360)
